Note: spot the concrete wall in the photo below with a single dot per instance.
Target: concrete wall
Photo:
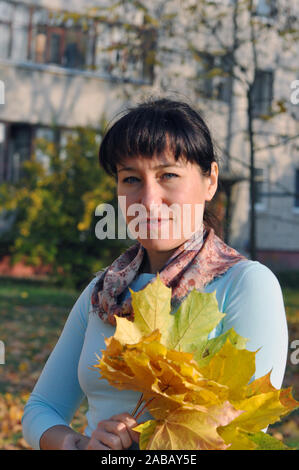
(49, 94)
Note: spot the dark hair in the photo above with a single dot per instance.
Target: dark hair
(154, 126)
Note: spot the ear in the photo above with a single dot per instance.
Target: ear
(212, 182)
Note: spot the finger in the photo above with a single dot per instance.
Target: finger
(122, 417)
(113, 441)
(120, 429)
(134, 435)
(95, 444)
(130, 423)
(126, 418)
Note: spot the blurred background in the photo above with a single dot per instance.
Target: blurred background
(66, 70)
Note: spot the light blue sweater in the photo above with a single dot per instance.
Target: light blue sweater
(248, 293)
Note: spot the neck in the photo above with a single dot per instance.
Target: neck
(153, 262)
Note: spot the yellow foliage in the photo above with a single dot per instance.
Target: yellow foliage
(210, 406)
(11, 412)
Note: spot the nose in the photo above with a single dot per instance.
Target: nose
(151, 195)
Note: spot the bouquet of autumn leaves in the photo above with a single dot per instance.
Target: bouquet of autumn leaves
(198, 390)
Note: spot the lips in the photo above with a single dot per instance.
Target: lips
(153, 221)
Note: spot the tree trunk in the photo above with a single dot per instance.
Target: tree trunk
(228, 189)
(252, 214)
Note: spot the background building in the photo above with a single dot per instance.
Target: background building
(66, 64)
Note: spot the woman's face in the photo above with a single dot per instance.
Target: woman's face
(170, 195)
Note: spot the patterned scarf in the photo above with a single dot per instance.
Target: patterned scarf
(193, 265)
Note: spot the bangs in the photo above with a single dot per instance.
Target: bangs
(152, 130)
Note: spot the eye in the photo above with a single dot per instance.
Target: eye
(130, 179)
(169, 175)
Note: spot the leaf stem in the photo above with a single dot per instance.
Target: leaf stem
(142, 409)
(138, 404)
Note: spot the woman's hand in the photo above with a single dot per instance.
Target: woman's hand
(114, 434)
(74, 441)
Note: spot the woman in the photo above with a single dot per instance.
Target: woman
(162, 156)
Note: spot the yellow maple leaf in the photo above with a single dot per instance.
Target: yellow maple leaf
(154, 370)
(198, 390)
(231, 367)
(189, 428)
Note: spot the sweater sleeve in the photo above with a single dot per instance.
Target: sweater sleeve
(57, 393)
(254, 307)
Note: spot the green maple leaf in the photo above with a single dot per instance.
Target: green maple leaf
(196, 317)
(151, 307)
(187, 330)
(265, 441)
(186, 377)
(208, 349)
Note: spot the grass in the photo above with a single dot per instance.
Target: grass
(32, 315)
(291, 301)
(31, 319)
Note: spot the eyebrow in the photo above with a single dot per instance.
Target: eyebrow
(163, 165)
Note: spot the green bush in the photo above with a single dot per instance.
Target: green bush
(54, 209)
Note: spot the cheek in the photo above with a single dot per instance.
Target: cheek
(191, 193)
(192, 197)
(125, 202)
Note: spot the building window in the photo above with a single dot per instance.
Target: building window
(125, 53)
(296, 199)
(215, 76)
(43, 137)
(75, 49)
(58, 41)
(260, 187)
(39, 36)
(47, 37)
(67, 136)
(262, 92)
(205, 82)
(19, 46)
(19, 150)
(6, 14)
(14, 23)
(148, 47)
(5, 35)
(266, 8)
(55, 46)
